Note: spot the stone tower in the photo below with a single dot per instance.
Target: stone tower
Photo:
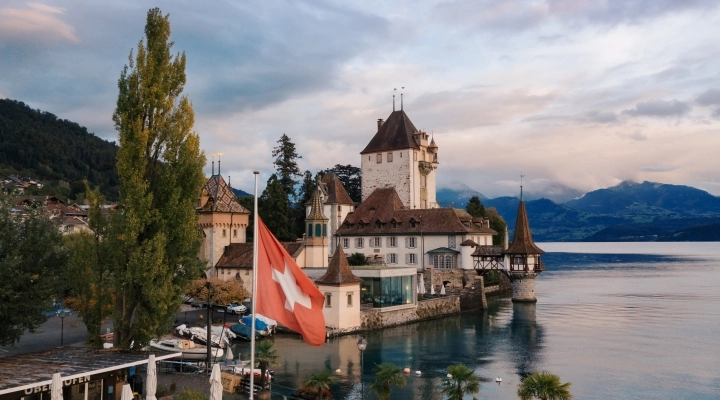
(342, 293)
(316, 236)
(222, 220)
(524, 259)
(400, 156)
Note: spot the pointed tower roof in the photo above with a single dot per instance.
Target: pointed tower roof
(396, 133)
(338, 271)
(220, 197)
(432, 144)
(336, 193)
(316, 210)
(522, 242)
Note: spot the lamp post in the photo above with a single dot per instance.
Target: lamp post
(362, 345)
(62, 314)
(209, 334)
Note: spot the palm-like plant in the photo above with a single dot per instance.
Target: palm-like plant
(544, 386)
(461, 380)
(265, 355)
(386, 376)
(320, 383)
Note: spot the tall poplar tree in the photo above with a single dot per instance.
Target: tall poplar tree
(154, 239)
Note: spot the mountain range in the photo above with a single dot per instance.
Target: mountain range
(629, 211)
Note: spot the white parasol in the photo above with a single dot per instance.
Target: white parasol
(216, 388)
(442, 290)
(422, 284)
(432, 289)
(151, 379)
(56, 389)
(127, 393)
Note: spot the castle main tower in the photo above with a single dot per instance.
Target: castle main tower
(402, 157)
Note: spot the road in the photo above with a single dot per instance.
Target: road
(74, 332)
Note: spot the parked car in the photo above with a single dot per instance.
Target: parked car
(198, 304)
(236, 308)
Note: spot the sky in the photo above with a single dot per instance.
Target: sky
(575, 95)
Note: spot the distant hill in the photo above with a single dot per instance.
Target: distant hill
(58, 152)
(457, 195)
(241, 193)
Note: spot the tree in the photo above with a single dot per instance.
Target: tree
(265, 356)
(544, 386)
(497, 223)
(273, 208)
(153, 240)
(357, 259)
(475, 207)
(319, 384)
(460, 381)
(307, 188)
(31, 258)
(249, 203)
(223, 292)
(87, 273)
(351, 178)
(387, 375)
(286, 165)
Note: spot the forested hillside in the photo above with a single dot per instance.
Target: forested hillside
(58, 152)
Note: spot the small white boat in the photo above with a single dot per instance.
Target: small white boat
(498, 379)
(187, 347)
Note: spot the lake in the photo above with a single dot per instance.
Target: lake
(618, 320)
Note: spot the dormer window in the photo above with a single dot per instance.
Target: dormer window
(393, 224)
(378, 224)
(412, 223)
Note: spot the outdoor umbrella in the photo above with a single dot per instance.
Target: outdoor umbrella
(127, 393)
(432, 290)
(442, 290)
(422, 284)
(151, 379)
(229, 355)
(216, 388)
(56, 388)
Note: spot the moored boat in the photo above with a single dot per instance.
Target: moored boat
(243, 331)
(188, 349)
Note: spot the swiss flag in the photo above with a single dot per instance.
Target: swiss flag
(285, 293)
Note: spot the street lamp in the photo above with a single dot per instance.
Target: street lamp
(362, 345)
(208, 338)
(62, 314)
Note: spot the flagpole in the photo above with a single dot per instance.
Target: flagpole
(254, 289)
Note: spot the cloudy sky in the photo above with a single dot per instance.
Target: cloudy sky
(576, 94)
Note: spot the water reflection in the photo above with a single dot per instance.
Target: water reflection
(526, 337)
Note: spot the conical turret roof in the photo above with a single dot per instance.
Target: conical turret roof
(522, 241)
(316, 210)
(396, 133)
(338, 271)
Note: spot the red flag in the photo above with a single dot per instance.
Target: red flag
(285, 293)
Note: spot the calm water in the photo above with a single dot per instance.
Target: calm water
(618, 320)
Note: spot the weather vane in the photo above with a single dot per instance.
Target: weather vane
(521, 185)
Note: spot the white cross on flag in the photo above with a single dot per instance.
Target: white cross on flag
(285, 293)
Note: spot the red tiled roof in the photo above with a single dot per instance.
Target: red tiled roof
(240, 255)
(522, 242)
(338, 271)
(496, 251)
(384, 206)
(336, 193)
(396, 133)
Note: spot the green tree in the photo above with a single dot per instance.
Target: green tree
(87, 273)
(387, 375)
(265, 356)
(154, 241)
(475, 207)
(249, 203)
(461, 380)
(304, 195)
(497, 223)
(31, 256)
(319, 384)
(544, 385)
(357, 259)
(286, 165)
(273, 208)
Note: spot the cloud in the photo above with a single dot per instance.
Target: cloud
(34, 23)
(710, 97)
(659, 108)
(658, 168)
(637, 135)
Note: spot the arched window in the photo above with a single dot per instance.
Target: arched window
(309, 230)
(318, 231)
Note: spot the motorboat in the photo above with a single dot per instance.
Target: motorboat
(243, 331)
(199, 335)
(188, 348)
(266, 326)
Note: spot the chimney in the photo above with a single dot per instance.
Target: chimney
(380, 123)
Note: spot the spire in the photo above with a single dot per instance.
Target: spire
(219, 154)
(316, 210)
(522, 242)
(213, 164)
(394, 89)
(401, 99)
(338, 271)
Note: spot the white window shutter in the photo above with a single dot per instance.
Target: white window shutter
(407, 258)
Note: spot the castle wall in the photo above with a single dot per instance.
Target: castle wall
(395, 174)
(220, 230)
(437, 307)
(524, 288)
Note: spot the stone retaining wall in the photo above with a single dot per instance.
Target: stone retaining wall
(379, 318)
